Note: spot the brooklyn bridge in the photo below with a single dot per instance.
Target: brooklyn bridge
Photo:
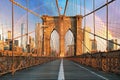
(59, 40)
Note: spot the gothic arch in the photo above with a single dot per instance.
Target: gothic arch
(69, 42)
(54, 43)
(62, 24)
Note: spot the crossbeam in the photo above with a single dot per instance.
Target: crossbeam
(32, 12)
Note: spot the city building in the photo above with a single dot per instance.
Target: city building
(93, 45)
(32, 44)
(87, 40)
(22, 34)
(111, 46)
(115, 46)
(70, 51)
(7, 41)
(9, 35)
(16, 42)
(1, 45)
(0, 37)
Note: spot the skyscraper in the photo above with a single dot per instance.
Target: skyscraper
(0, 37)
(9, 35)
(87, 43)
(22, 35)
(16, 43)
(111, 45)
(1, 43)
(93, 45)
(115, 46)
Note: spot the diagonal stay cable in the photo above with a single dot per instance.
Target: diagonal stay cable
(100, 37)
(58, 7)
(19, 5)
(85, 46)
(99, 8)
(65, 7)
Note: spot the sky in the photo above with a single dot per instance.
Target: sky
(46, 7)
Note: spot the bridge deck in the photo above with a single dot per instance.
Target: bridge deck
(52, 70)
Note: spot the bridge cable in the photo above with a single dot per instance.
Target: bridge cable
(107, 23)
(27, 2)
(101, 37)
(84, 22)
(80, 7)
(19, 5)
(12, 33)
(99, 8)
(58, 7)
(66, 4)
(84, 46)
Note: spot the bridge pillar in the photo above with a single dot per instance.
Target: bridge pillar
(79, 36)
(47, 42)
(62, 24)
(48, 47)
(62, 46)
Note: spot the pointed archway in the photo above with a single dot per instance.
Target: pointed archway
(69, 43)
(54, 43)
(62, 24)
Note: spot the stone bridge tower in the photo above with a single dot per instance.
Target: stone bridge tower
(62, 24)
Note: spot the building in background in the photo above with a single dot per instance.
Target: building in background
(87, 40)
(22, 25)
(32, 44)
(70, 51)
(93, 46)
(16, 42)
(8, 44)
(111, 46)
(9, 35)
(0, 37)
(1, 45)
(115, 46)
(17, 47)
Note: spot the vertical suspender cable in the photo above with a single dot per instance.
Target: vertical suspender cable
(80, 7)
(66, 4)
(27, 27)
(12, 32)
(94, 22)
(72, 4)
(107, 24)
(107, 34)
(84, 25)
(76, 6)
(58, 7)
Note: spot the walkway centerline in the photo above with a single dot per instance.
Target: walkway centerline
(61, 71)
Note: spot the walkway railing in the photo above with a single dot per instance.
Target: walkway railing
(9, 64)
(106, 61)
